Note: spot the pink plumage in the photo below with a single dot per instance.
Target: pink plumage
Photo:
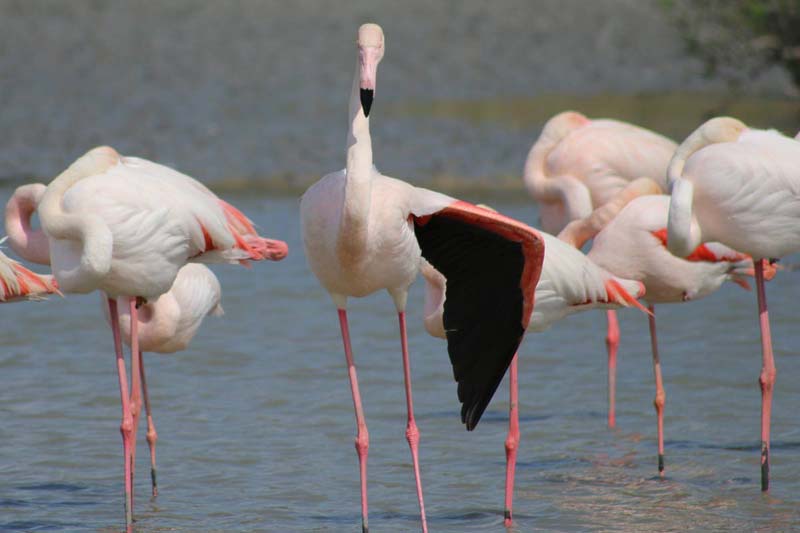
(19, 283)
(633, 245)
(127, 227)
(578, 165)
(365, 232)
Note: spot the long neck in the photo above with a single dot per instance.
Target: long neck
(87, 229)
(683, 231)
(30, 244)
(565, 190)
(539, 185)
(353, 228)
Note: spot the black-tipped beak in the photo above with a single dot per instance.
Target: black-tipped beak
(366, 100)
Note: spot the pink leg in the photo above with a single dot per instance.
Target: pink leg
(362, 439)
(612, 342)
(136, 391)
(512, 441)
(126, 428)
(661, 396)
(412, 433)
(767, 377)
(152, 436)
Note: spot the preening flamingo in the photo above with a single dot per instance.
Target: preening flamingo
(577, 165)
(126, 226)
(630, 241)
(741, 187)
(166, 325)
(364, 232)
(569, 283)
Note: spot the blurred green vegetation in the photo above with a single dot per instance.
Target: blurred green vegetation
(738, 38)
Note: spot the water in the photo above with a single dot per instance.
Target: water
(255, 420)
(256, 426)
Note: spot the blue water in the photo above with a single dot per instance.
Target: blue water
(256, 426)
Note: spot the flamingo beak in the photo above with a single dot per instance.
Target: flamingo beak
(369, 57)
(366, 100)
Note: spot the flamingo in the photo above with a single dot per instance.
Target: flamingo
(166, 325)
(569, 283)
(126, 226)
(741, 187)
(630, 240)
(364, 232)
(576, 166)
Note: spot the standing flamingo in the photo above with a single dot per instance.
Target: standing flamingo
(569, 283)
(741, 187)
(126, 226)
(166, 325)
(630, 241)
(576, 166)
(364, 232)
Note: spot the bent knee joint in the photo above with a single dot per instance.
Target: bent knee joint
(362, 442)
(660, 400)
(412, 434)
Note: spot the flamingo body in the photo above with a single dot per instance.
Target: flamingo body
(390, 256)
(606, 154)
(747, 193)
(156, 218)
(168, 324)
(630, 247)
(579, 164)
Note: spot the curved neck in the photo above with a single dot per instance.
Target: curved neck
(567, 191)
(85, 228)
(30, 244)
(542, 188)
(358, 181)
(683, 232)
(715, 130)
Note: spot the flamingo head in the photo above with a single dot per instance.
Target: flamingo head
(370, 53)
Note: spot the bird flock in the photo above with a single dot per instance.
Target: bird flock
(667, 223)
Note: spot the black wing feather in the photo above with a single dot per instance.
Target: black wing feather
(483, 305)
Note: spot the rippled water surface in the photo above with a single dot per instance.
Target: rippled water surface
(256, 427)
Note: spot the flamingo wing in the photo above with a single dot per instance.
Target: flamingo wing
(19, 283)
(492, 264)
